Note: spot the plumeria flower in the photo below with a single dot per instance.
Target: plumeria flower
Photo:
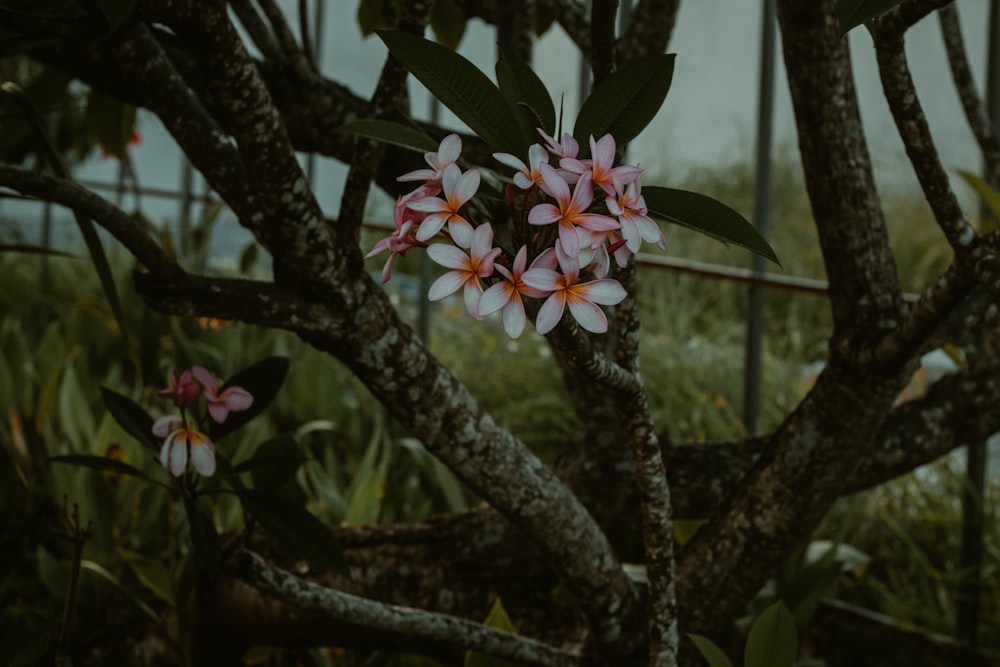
(182, 390)
(601, 165)
(507, 293)
(569, 211)
(566, 290)
(568, 147)
(527, 174)
(466, 269)
(232, 399)
(630, 208)
(181, 442)
(458, 189)
(406, 222)
(447, 153)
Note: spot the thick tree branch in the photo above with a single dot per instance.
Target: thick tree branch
(864, 291)
(400, 621)
(649, 29)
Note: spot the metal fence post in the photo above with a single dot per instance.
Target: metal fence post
(761, 206)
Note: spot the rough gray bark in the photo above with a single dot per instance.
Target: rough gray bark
(612, 492)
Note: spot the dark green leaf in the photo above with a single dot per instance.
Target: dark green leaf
(526, 92)
(248, 258)
(130, 417)
(625, 102)
(204, 540)
(773, 640)
(370, 16)
(853, 13)
(396, 134)
(111, 120)
(262, 380)
(116, 11)
(296, 528)
(460, 86)
(544, 17)
(274, 462)
(448, 23)
(104, 464)
(714, 656)
(708, 216)
(986, 193)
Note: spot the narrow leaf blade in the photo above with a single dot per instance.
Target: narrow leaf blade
(625, 102)
(130, 417)
(294, 526)
(262, 380)
(773, 640)
(396, 134)
(528, 90)
(713, 655)
(103, 464)
(708, 216)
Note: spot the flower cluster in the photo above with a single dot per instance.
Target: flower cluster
(181, 439)
(570, 216)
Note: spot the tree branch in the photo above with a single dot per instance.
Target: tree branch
(972, 103)
(915, 133)
(124, 228)
(649, 29)
(406, 622)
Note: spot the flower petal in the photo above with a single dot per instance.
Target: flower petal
(514, 318)
(606, 291)
(550, 313)
(543, 279)
(449, 256)
(466, 187)
(543, 214)
(553, 184)
(460, 230)
(202, 454)
(511, 161)
(164, 426)
(431, 225)
(472, 293)
(447, 284)
(496, 297)
(588, 315)
(449, 149)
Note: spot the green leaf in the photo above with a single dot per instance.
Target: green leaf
(116, 11)
(460, 86)
(130, 417)
(204, 540)
(153, 574)
(448, 23)
(497, 618)
(104, 464)
(853, 13)
(274, 462)
(773, 640)
(714, 656)
(989, 196)
(111, 120)
(526, 92)
(262, 380)
(708, 216)
(396, 134)
(296, 528)
(370, 16)
(625, 102)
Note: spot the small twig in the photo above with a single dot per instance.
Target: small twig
(408, 622)
(280, 26)
(972, 103)
(120, 225)
(78, 537)
(911, 122)
(261, 35)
